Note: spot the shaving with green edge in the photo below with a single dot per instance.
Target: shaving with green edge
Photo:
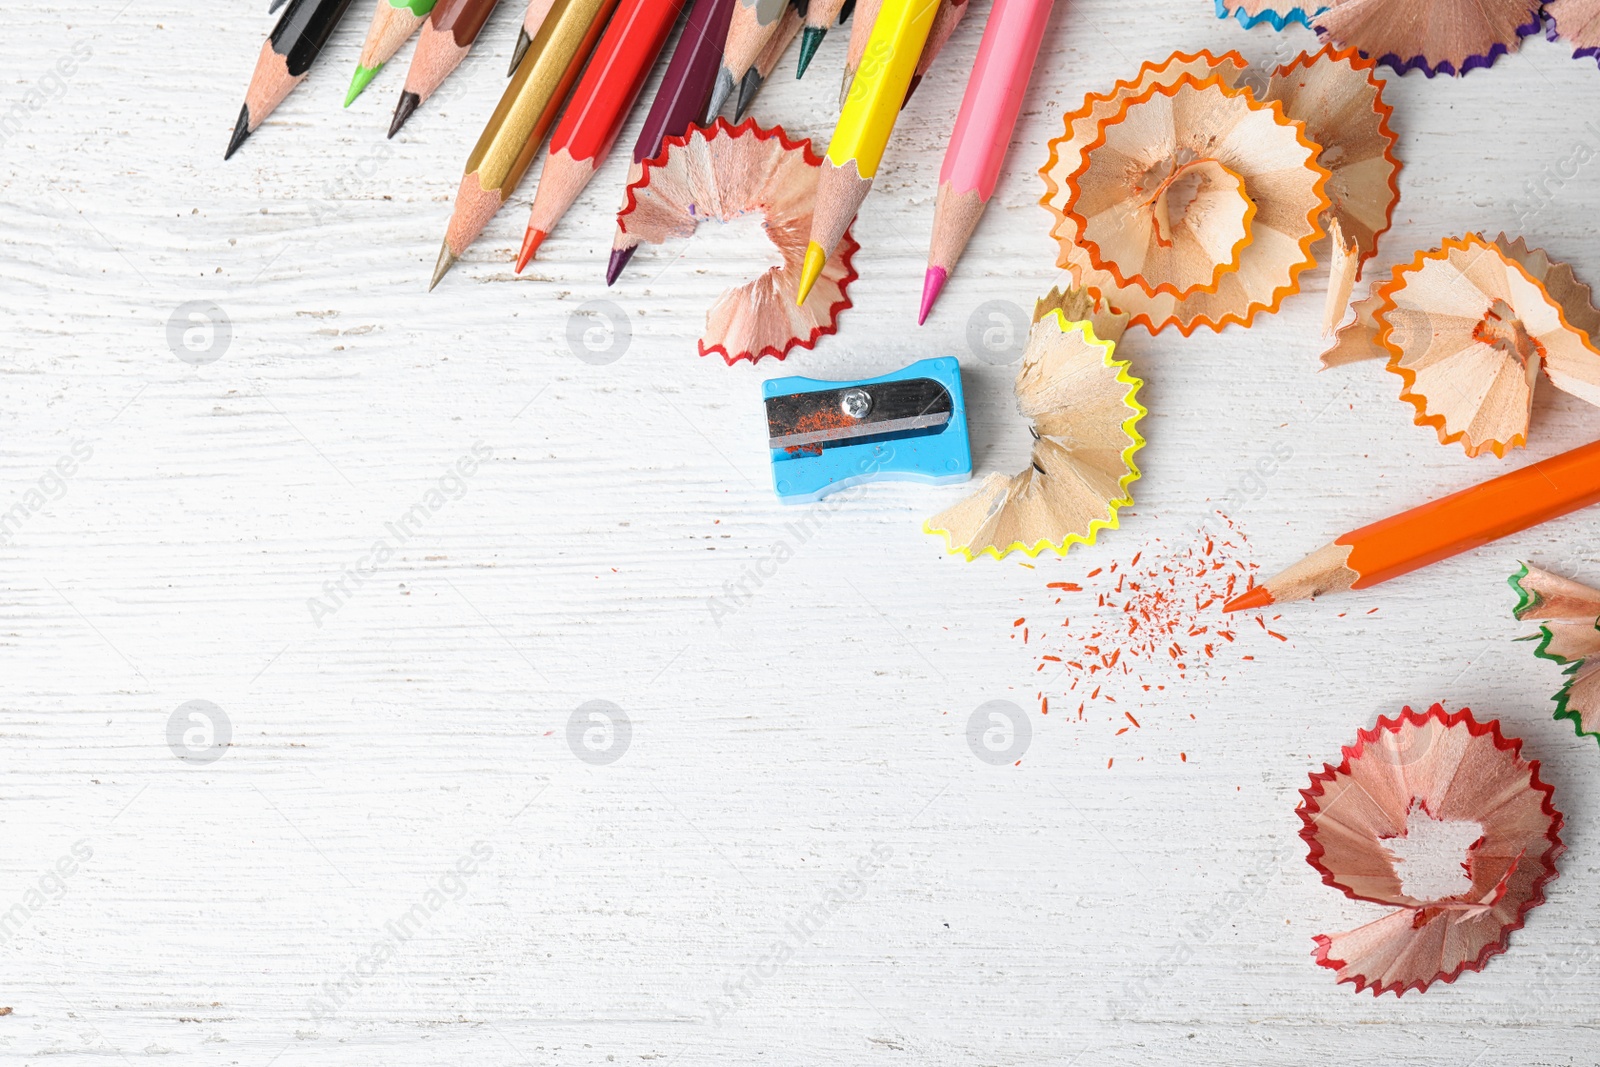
(1569, 634)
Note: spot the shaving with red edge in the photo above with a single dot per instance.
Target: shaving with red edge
(1451, 769)
(722, 172)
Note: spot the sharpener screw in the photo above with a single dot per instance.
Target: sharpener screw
(856, 403)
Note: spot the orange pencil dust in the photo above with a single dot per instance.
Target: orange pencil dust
(1146, 623)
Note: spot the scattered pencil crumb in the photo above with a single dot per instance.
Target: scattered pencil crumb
(1154, 618)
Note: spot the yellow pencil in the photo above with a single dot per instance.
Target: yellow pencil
(876, 93)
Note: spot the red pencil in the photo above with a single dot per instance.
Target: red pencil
(597, 111)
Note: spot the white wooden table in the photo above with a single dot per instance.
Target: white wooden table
(796, 858)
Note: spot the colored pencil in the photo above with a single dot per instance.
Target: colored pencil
(1438, 530)
(788, 29)
(988, 115)
(287, 54)
(532, 19)
(752, 24)
(274, 6)
(951, 12)
(393, 23)
(821, 15)
(599, 106)
(679, 101)
(447, 37)
(861, 23)
(526, 111)
(865, 123)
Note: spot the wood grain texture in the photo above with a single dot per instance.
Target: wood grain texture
(1156, 913)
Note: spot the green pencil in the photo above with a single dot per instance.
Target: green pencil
(393, 23)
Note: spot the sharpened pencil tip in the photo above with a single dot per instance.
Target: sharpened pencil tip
(810, 38)
(844, 86)
(932, 282)
(619, 260)
(749, 86)
(241, 130)
(916, 80)
(359, 81)
(816, 259)
(530, 245)
(523, 41)
(1257, 597)
(719, 94)
(447, 259)
(409, 102)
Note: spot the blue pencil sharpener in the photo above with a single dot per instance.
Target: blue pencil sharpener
(910, 425)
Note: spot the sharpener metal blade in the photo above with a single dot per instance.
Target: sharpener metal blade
(796, 420)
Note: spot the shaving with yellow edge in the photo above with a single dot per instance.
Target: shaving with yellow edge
(1082, 403)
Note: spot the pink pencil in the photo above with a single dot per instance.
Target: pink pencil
(982, 133)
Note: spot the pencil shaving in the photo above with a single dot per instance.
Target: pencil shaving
(1444, 769)
(1357, 340)
(1433, 36)
(1335, 95)
(1252, 13)
(722, 172)
(1569, 635)
(1467, 330)
(1254, 140)
(1076, 305)
(1560, 284)
(1578, 23)
(1344, 259)
(1084, 410)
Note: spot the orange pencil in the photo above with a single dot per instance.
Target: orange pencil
(598, 108)
(1438, 530)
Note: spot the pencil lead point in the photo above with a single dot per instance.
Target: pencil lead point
(810, 271)
(447, 259)
(719, 95)
(619, 260)
(530, 245)
(932, 282)
(523, 41)
(241, 130)
(810, 38)
(359, 81)
(409, 102)
(1255, 597)
(749, 86)
(844, 86)
(916, 80)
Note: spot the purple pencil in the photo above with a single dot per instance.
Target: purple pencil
(679, 101)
